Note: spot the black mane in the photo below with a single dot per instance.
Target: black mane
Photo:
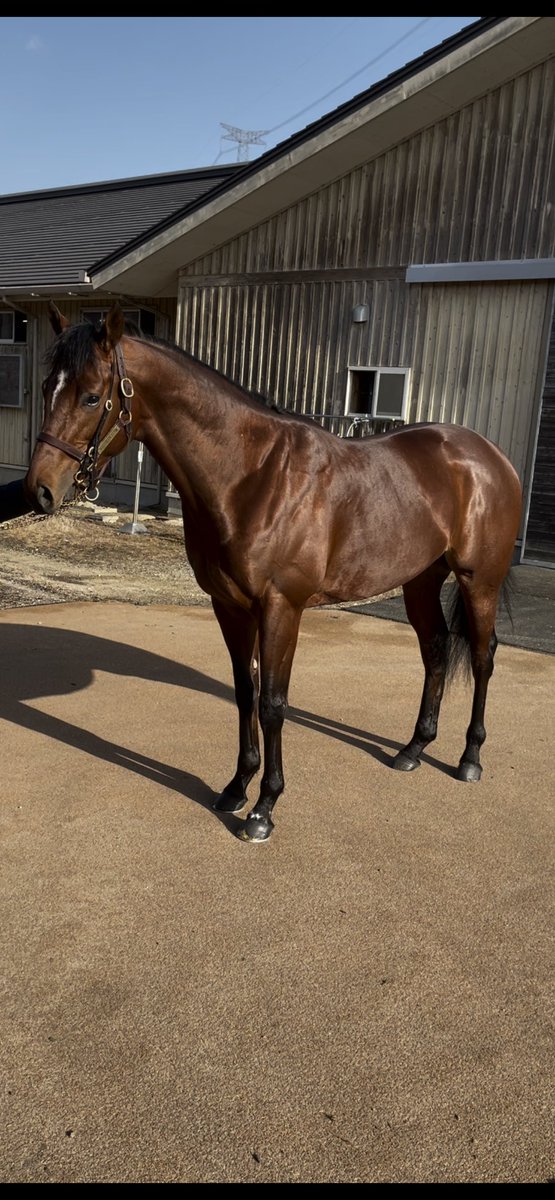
(173, 348)
(74, 350)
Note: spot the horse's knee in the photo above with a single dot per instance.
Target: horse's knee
(272, 710)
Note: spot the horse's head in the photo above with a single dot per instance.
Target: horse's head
(87, 415)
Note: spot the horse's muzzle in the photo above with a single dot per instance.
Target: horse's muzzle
(47, 483)
(42, 498)
(44, 501)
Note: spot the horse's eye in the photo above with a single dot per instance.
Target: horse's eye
(90, 400)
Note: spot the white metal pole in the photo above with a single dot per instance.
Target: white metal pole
(136, 526)
(138, 483)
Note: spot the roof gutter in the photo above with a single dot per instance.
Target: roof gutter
(49, 289)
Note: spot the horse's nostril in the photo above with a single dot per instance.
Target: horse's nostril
(45, 499)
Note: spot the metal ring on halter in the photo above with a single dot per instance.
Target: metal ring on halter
(126, 388)
(82, 480)
(96, 494)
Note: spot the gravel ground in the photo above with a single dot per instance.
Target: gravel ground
(81, 553)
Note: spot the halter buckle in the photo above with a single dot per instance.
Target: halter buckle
(127, 389)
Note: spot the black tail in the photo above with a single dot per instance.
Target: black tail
(458, 647)
(506, 596)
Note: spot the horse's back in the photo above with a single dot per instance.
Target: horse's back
(455, 448)
(461, 439)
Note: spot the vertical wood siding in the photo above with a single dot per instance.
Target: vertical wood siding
(273, 308)
(477, 358)
(476, 186)
(540, 531)
(474, 349)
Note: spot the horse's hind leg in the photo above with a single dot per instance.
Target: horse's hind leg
(480, 604)
(240, 631)
(425, 614)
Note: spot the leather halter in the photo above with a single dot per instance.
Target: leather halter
(87, 474)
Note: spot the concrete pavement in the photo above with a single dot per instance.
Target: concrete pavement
(366, 998)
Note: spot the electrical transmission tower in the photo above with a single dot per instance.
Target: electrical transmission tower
(244, 139)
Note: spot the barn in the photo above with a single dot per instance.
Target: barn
(48, 241)
(394, 261)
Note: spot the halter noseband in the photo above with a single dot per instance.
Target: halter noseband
(86, 476)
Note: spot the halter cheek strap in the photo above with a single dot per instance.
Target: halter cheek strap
(86, 476)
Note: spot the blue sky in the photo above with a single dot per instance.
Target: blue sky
(87, 99)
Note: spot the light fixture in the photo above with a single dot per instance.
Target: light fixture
(361, 313)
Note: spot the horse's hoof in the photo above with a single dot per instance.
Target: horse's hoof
(402, 762)
(255, 829)
(229, 804)
(469, 772)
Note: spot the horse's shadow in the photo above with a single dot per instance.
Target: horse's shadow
(40, 661)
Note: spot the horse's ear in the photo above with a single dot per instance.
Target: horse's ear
(112, 327)
(57, 319)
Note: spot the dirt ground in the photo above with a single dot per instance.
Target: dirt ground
(81, 554)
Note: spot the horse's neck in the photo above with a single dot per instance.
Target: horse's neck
(195, 426)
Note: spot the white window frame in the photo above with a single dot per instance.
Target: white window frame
(378, 371)
(19, 404)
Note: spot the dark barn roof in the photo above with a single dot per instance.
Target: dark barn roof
(51, 238)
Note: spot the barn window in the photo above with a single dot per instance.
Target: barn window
(11, 381)
(13, 326)
(143, 318)
(377, 391)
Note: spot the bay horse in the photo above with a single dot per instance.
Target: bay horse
(281, 515)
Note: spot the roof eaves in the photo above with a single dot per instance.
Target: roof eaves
(465, 35)
(115, 185)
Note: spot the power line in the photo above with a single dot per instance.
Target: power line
(372, 63)
(378, 58)
(316, 53)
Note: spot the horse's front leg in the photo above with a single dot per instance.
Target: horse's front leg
(240, 631)
(279, 630)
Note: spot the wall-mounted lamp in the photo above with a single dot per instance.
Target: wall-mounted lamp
(361, 313)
